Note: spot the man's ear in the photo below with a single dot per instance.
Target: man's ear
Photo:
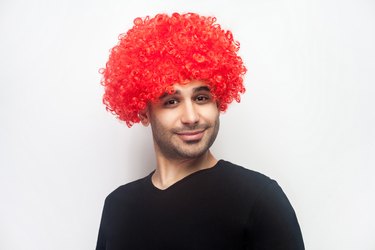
(144, 116)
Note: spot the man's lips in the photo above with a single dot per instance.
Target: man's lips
(191, 135)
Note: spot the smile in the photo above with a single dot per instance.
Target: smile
(191, 135)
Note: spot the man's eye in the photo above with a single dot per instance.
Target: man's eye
(202, 98)
(170, 102)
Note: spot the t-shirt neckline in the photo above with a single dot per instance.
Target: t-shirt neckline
(186, 178)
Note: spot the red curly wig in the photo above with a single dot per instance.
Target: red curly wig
(164, 50)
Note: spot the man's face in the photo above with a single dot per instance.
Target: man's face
(184, 124)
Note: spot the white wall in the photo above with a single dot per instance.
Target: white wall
(307, 118)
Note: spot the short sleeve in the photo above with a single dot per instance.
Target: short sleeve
(273, 223)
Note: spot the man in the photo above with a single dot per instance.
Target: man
(176, 73)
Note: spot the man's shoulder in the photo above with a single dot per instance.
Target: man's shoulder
(128, 189)
(243, 175)
(235, 169)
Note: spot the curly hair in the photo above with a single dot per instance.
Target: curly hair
(164, 50)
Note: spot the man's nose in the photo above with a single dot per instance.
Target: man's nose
(189, 113)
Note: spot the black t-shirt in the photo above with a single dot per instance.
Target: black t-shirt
(223, 207)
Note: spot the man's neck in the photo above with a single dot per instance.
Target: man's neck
(170, 171)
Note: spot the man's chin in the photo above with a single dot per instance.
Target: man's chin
(192, 149)
(193, 142)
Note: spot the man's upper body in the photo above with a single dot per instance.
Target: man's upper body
(223, 207)
(191, 200)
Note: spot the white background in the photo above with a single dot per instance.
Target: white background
(306, 120)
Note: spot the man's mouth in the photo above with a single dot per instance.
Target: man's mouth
(195, 135)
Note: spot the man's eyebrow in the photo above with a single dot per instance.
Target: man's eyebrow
(201, 88)
(167, 94)
(177, 92)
